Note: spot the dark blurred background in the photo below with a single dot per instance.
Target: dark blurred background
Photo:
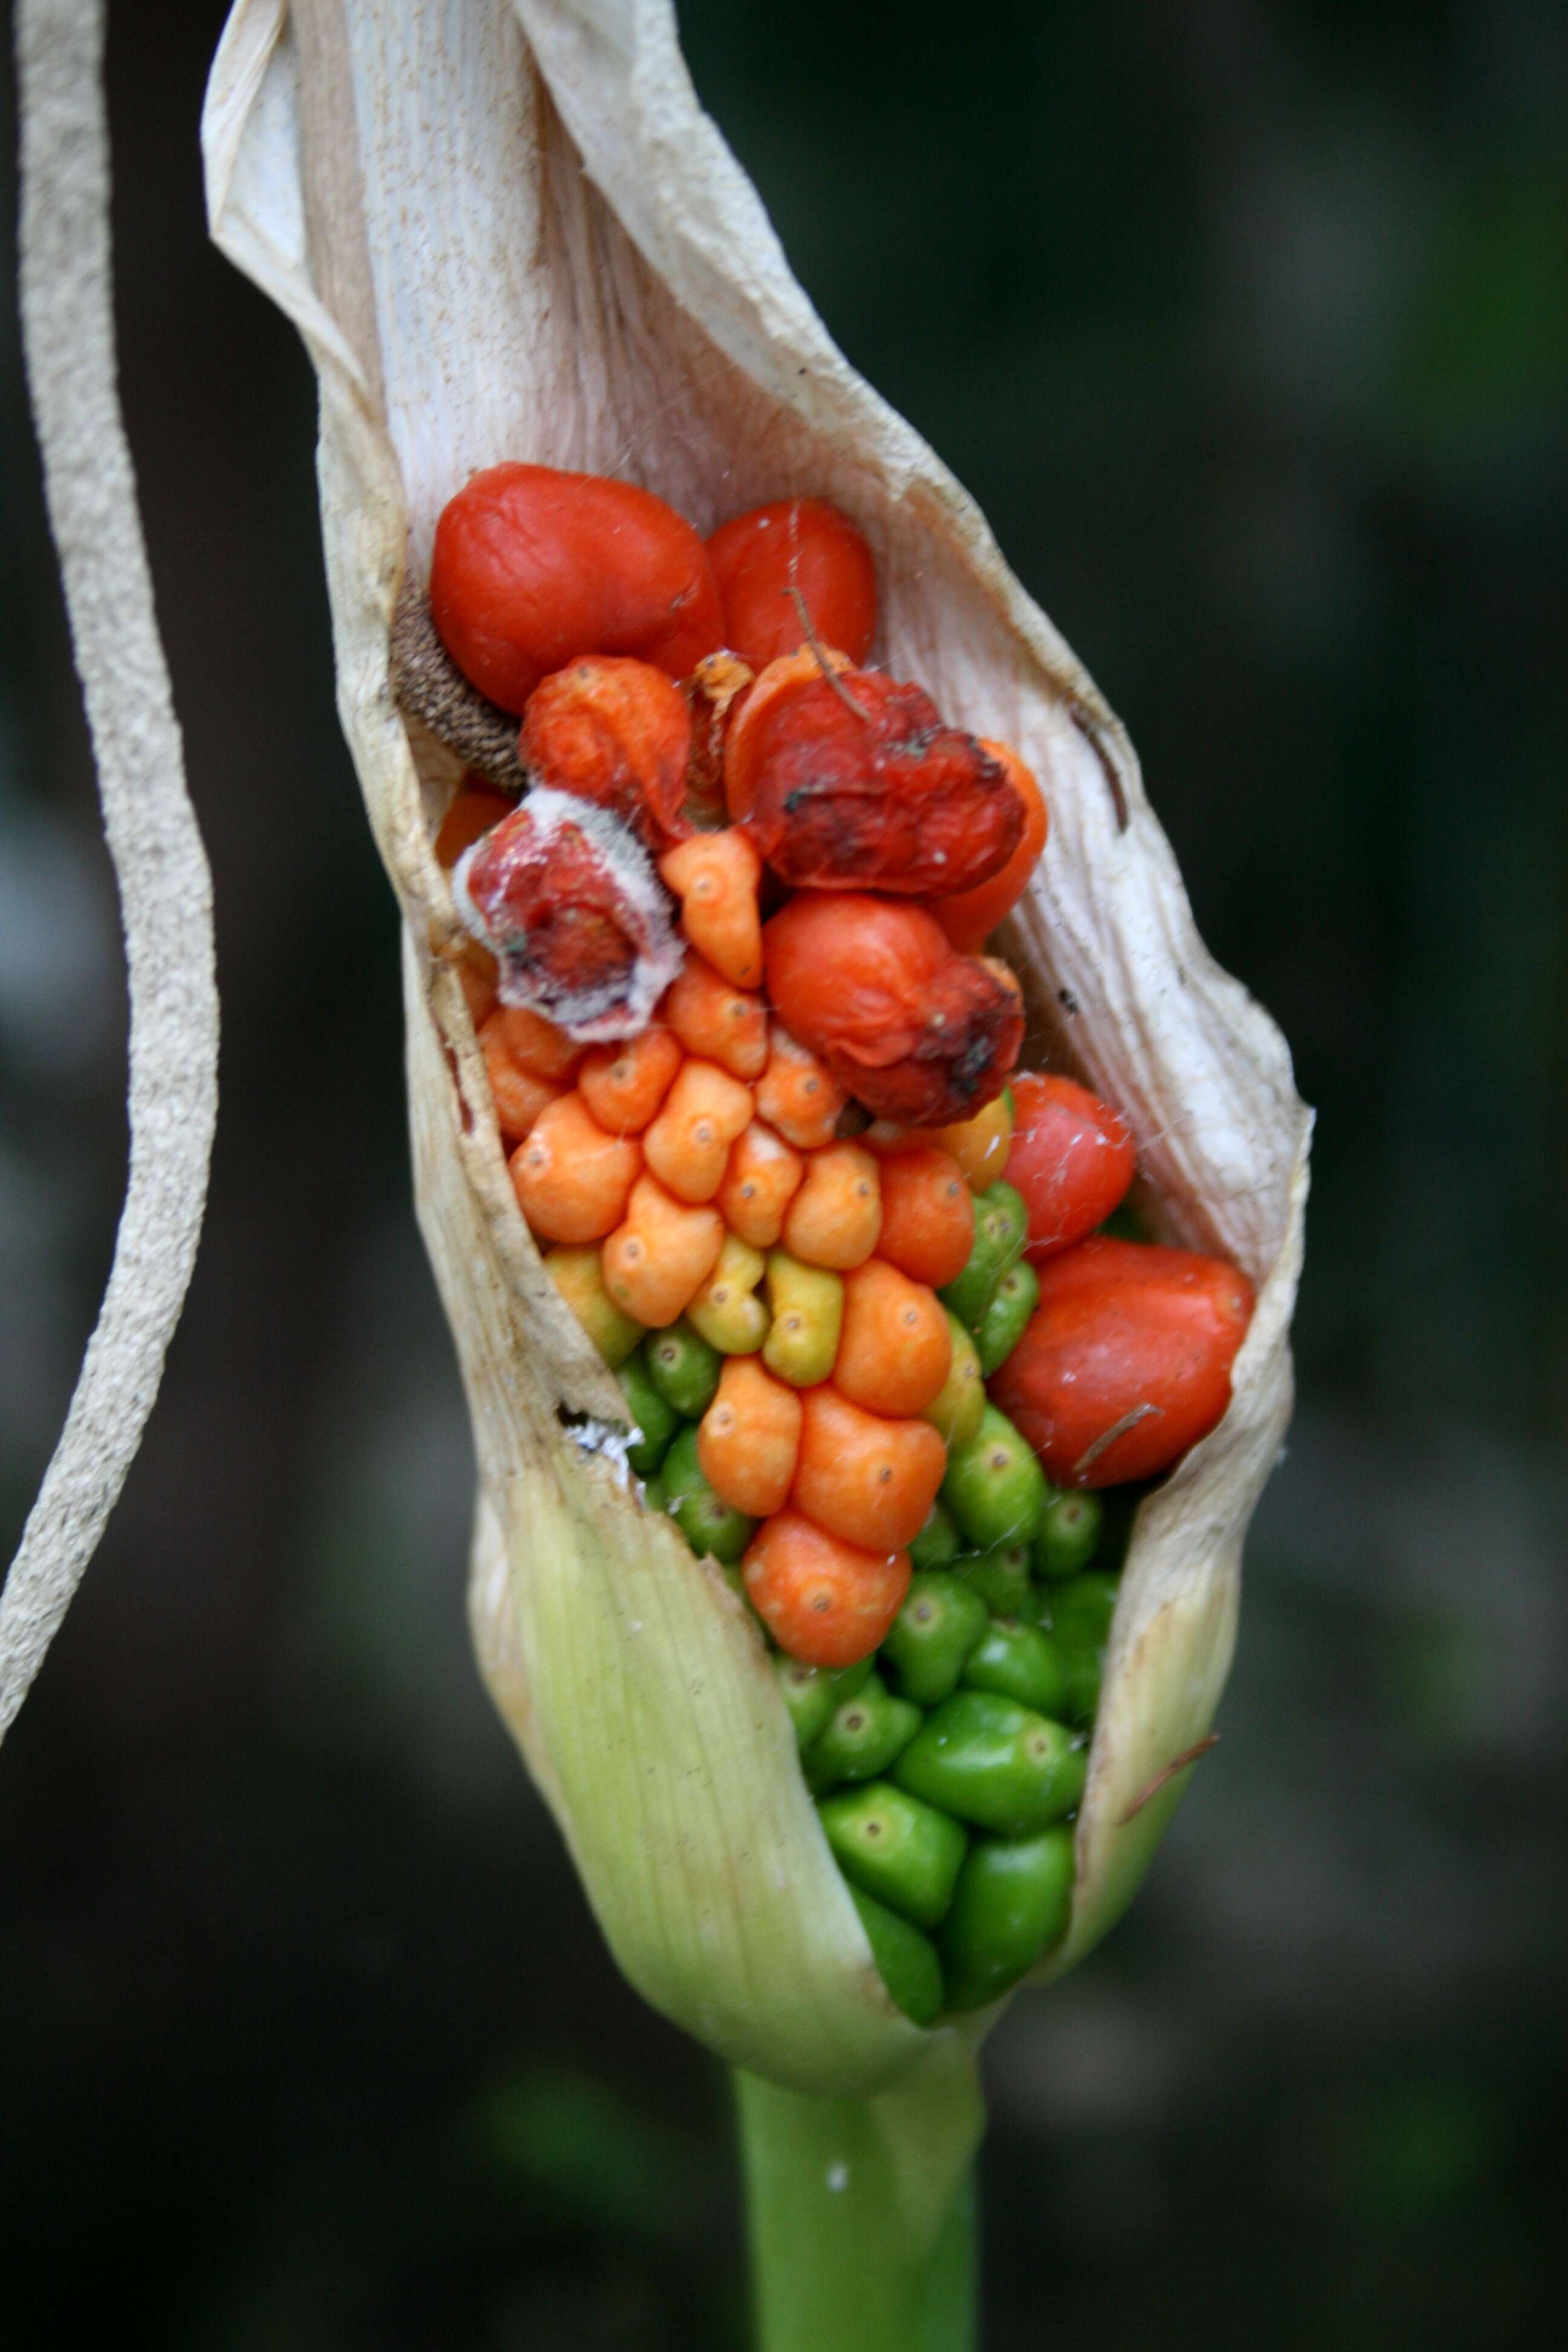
(1247, 323)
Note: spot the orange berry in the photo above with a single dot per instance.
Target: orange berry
(980, 1144)
(624, 1084)
(722, 1023)
(657, 1260)
(866, 1479)
(928, 1214)
(519, 1096)
(795, 1094)
(827, 1603)
(572, 1178)
(896, 1350)
(836, 1216)
(749, 1438)
(478, 971)
(761, 1179)
(617, 732)
(716, 876)
(537, 1044)
(468, 819)
(687, 1145)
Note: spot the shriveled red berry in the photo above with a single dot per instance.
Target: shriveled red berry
(616, 732)
(970, 919)
(859, 785)
(565, 900)
(532, 567)
(916, 1032)
(748, 723)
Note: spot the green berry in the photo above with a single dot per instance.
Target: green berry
(865, 1733)
(1080, 1613)
(1013, 1901)
(955, 1411)
(1001, 1229)
(684, 1369)
(937, 1544)
(891, 1845)
(809, 1694)
(653, 1417)
(1000, 1211)
(933, 1632)
(1001, 1578)
(1001, 1327)
(1019, 1662)
(706, 1521)
(988, 1760)
(812, 1693)
(906, 1960)
(994, 1487)
(1070, 1534)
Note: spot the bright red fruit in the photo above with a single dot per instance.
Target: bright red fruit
(1072, 1159)
(857, 785)
(917, 1034)
(1126, 1360)
(802, 543)
(532, 567)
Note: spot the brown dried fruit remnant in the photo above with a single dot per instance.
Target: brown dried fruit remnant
(428, 685)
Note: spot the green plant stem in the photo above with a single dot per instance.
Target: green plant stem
(861, 2210)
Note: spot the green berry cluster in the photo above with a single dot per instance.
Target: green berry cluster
(947, 1769)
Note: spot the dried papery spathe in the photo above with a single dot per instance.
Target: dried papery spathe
(515, 235)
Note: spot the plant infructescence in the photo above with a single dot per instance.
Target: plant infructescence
(509, 234)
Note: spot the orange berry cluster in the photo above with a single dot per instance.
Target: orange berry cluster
(699, 1160)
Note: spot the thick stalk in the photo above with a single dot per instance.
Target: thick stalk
(861, 2212)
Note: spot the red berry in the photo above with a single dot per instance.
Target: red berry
(532, 567)
(1126, 1360)
(1072, 1158)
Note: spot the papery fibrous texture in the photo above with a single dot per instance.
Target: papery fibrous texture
(512, 232)
(164, 892)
